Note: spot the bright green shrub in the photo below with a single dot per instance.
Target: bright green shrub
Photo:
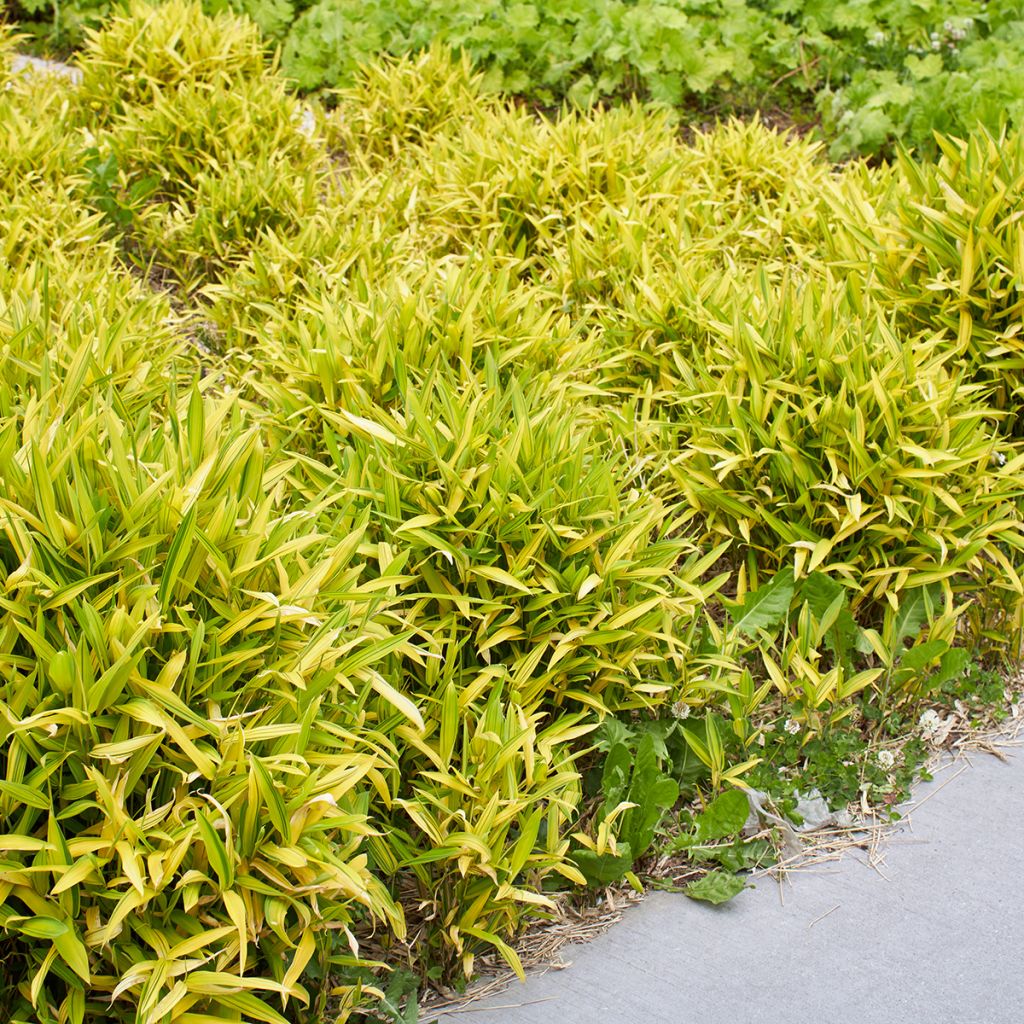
(794, 643)
(55, 238)
(42, 152)
(151, 47)
(757, 189)
(741, 200)
(514, 522)
(483, 824)
(205, 149)
(210, 193)
(354, 342)
(53, 245)
(737, 196)
(347, 251)
(55, 349)
(592, 201)
(394, 104)
(538, 585)
(949, 254)
(549, 202)
(9, 41)
(38, 137)
(812, 431)
(184, 800)
(46, 220)
(514, 184)
(197, 128)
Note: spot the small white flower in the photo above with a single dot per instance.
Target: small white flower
(877, 39)
(929, 722)
(936, 44)
(681, 709)
(948, 26)
(791, 726)
(307, 123)
(886, 759)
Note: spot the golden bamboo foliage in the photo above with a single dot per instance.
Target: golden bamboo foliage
(357, 461)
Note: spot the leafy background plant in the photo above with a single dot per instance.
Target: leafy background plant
(875, 72)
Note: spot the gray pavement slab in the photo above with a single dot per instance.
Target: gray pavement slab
(934, 935)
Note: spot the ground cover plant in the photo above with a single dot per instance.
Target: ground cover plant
(874, 73)
(419, 510)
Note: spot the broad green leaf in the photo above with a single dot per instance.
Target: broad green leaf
(272, 798)
(725, 816)
(22, 794)
(767, 606)
(216, 851)
(914, 611)
(72, 952)
(397, 700)
(921, 655)
(952, 664)
(42, 927)
(716, 887)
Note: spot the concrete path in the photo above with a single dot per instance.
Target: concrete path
(938, 940)
(22, 62)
